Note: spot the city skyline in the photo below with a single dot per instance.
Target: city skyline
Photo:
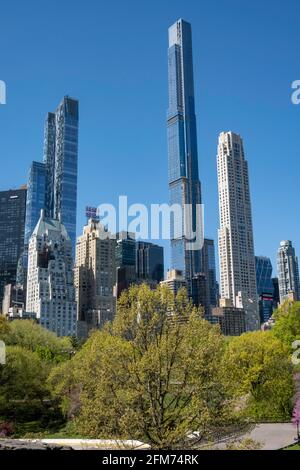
(87, 193)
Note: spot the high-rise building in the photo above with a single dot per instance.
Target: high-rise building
(50, 286)
(232, 320)
(60, 158)
(12, 228)
(125, 249)
(36, 194)
(184, 184)
(149, 261)
(175, 281)
(125, 261)
(95, 275)
(209, 269)
(236, 246)
(265, 287)
(276, 300)
(52, 185)
(198, 292)
(288, 271)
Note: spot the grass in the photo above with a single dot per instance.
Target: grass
(295, 447)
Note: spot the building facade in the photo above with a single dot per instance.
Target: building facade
(50, 283)
(149, 261)
(12, 229)
(61, 160)
(232, 320)
(236, 246)
(184, 184)
(95, 276)
(36, 194)
(288, 271)
(175, 281)
(126, 255)
(265, 287)
(209, 269)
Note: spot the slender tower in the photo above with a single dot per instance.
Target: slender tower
(236, 247)
(184, 184)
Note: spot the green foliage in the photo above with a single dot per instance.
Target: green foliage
(287, 324)
(244, 444)
(23, 377)
(4, 326)
(258, 367)
(33, 337)
(155, 374)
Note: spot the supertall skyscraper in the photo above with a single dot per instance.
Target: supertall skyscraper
(52, 185)
(288, 271)
(60, 158)
(236, 247)
(184, 184)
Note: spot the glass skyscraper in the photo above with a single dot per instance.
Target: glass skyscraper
(265, 287)
(60, 158)
(288, 271)
(52, 185)
(184, 184)
(209, 269)
(149, 261)
(12, 227)
(35, 197)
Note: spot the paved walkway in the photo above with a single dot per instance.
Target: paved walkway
(272, 436)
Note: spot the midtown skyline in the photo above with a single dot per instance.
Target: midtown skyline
(261, 147)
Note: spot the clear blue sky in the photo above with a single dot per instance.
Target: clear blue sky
(112, 56)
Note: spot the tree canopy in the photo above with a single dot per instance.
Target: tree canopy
(154, 374)
(287, 324)
(258, 367)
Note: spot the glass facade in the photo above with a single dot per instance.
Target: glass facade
(288, 271)
(149, 261)
(35, 197)
(12, 228)
(209, 269)
(184, 184)
(265, 287)
(61, 160)
(125, 250)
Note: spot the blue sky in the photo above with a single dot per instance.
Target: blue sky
(112, 56)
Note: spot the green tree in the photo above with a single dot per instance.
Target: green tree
(4, 326)
(258, 368)
(287, 323)
(154, 374)
(29, 335)
(23, 377)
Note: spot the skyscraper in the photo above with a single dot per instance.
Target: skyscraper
(209, 270)
(125, 261)
(184, 184)
(52, 185)
(236, 246)
(12, 228)
(288, 271)
(36, 194)
(60, 158)
(265, 287)
(95, 275)
(149, 261)
(50, 287)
